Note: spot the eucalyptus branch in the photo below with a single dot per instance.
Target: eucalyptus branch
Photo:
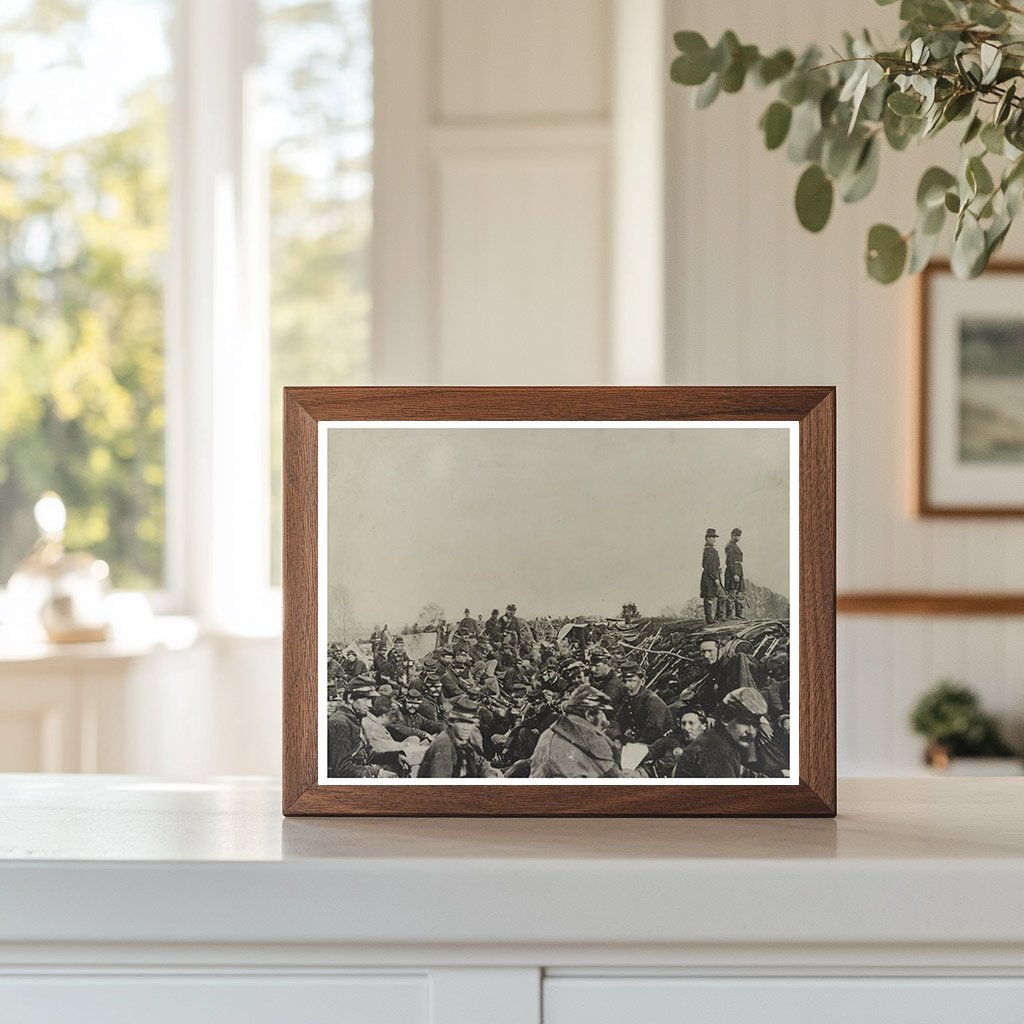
(953, 59)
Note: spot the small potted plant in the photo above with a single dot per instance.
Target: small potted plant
(949, 716)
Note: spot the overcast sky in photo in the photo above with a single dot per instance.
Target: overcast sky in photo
(561, 521)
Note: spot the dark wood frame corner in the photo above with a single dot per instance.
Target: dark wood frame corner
(815, 410)
(923, 506)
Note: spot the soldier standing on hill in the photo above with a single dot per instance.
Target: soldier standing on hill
(711, 590)
(734, 576)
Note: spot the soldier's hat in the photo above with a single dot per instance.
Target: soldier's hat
(588, 698)
(574, 665)
(711, 532)
(414, 693)
(464, 710)
(737, 532)
(400, 640)
(745, 703)
(510, 608)
(520, 689)
(598, 654)
(361, 686)
(631, 668)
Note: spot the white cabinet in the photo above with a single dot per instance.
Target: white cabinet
(129, 898)
(202, 999)
(828, 1000)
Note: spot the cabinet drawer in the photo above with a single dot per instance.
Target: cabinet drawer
(202, 999)
(572, 1000)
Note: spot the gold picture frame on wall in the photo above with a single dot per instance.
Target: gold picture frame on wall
(970, 375)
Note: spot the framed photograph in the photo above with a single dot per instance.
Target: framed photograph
(559, 601)
(970, 451)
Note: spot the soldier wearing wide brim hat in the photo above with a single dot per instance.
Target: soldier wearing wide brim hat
(464, 710)
(457, 751)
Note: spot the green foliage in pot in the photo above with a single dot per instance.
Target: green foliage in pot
(957, 62)
(949, 716)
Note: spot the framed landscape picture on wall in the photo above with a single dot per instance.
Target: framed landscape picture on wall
(559, 601)
(970, 451)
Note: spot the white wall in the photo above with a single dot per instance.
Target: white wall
(754, 299)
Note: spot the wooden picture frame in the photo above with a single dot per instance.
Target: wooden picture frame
(807, 413)
(954, 475)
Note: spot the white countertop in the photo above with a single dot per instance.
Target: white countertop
(120, 859)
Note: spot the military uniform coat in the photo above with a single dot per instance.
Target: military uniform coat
(644, 717)
(346, 752)
(574, 749)
(711, 574)
(715, 755)
(733, 567)
(447, 759)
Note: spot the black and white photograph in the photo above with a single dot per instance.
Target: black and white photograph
(543, 602)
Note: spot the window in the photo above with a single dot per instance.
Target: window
(317, 117)
(83, 236)
(185, 222)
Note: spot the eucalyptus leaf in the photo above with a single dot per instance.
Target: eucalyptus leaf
(978, 176)
(805, 133)
(693, 65)
(771, 69)
(993, 138)
(886, 253)
(814, 196)
(957, 106)
(968, 247)
(903, 103)
(840, 152)
(932, 221)
(735, 74)
(900, 130)
(865, 174)
(952, 202)
(794, 88)
(725, 50)
(775, 124)
(707, 93)
(987, 15)
(1005, 105)
(991, 61)
(973, 130)
(922, 248)
(931, 190)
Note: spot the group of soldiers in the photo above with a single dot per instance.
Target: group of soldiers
(722, 601)
(497, 700)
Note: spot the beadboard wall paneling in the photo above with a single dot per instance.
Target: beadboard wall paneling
(751, 298)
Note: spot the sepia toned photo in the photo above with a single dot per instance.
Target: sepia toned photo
(552, 602)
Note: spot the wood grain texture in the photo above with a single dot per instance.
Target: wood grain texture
(812, 407)
(925, 603)
(923, 503)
